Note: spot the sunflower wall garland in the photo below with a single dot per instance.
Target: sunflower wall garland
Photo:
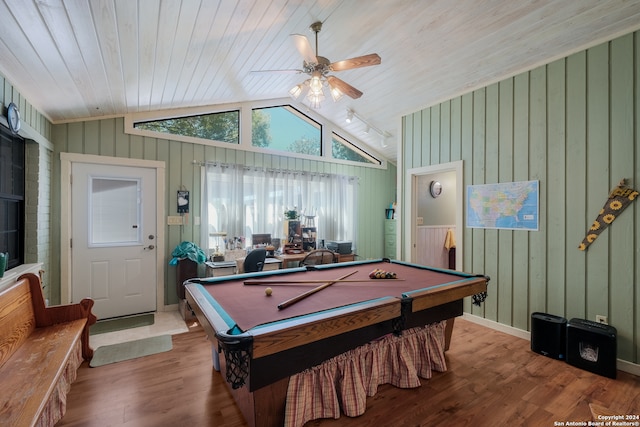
(619, 198)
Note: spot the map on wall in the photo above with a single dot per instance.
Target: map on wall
(510, 205)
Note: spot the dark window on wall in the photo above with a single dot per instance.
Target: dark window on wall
(12, 189)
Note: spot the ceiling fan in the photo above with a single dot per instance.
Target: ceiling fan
(319, 69)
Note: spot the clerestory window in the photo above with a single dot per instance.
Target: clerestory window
(345, 150)
(222, 127)
(284, 128)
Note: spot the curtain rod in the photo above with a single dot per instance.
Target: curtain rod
(262, 168)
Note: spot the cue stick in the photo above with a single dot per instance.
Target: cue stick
(291, 282)
(294, 300)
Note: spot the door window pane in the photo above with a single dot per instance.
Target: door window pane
(115, 212)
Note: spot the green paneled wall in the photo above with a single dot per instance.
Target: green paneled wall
(37, 131)
(377, 187)
(29, 115)
(574, 126)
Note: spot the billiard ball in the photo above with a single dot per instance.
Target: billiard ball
(268, 291)
(382, 274)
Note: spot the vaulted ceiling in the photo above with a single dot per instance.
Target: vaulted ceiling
(80, 59)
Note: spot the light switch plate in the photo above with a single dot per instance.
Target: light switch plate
(174, 220)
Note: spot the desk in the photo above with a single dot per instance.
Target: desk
(287, 258)
(293, 258)
(221, 268)
(346, 257)
(270, 263)
(267, 345)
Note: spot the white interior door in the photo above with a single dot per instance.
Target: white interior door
(113, 229)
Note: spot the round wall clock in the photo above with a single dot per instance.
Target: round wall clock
(13, 118)
(435, 188)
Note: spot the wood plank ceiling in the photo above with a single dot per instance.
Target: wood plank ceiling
(78, 59)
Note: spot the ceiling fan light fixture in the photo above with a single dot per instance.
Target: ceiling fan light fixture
(296, 91)
(315, 99)
(315, 85)
(319, 69)
(336, 93)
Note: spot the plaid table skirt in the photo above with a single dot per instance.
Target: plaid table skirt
(344, 382)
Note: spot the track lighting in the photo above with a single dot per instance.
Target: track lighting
(368, 126)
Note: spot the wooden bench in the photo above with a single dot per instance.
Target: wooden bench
(41, 349)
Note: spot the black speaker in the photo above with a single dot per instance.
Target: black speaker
(592, 346)
(548, 335)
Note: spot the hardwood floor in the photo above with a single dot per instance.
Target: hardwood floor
(492, 379)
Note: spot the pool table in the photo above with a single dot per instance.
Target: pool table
(261, 345)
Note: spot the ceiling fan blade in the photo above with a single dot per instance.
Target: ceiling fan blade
(360, 61)
(290, 71)
(344, 87)
(303, 46)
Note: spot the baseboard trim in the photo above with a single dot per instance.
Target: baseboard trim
(170, 307)
(622, 365)
(631, 368)
(497, 326)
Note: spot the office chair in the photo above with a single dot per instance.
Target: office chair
(319, 256)
(255, 260)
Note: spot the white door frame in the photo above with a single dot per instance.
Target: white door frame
(411, 212)
(66, 160)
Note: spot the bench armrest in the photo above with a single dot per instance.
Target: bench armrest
(47, 316)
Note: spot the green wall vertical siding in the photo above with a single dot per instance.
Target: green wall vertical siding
(573, 125)
(377, 187)
(38, 226)
(28, 113)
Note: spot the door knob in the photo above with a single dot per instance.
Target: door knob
(150, 247)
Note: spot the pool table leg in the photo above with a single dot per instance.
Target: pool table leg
(264, 407)
(448, 330)
(215, 356)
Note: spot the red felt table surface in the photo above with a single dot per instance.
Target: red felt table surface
(249, 306)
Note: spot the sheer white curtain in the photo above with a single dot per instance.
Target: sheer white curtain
(221, 204)
(242, 201)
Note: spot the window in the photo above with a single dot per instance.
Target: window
(242, 201)
(274, 128)
(344, 150)
(12, 192)
(286, 129)
(114, 204)
(223, 127)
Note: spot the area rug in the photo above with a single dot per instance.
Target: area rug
(130, 350)
(129, 322)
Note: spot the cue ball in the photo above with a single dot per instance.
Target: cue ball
(268, 291)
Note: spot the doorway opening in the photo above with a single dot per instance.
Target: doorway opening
(424, 187)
